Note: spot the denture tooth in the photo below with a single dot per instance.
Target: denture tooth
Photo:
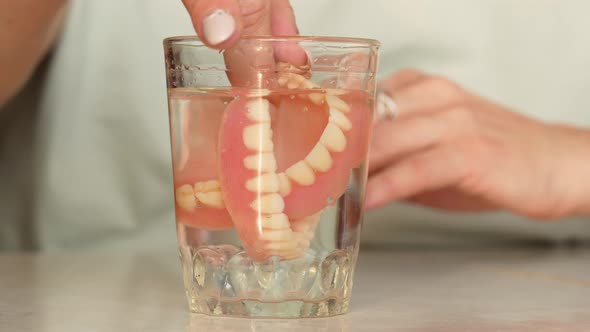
(333, 138)
(265, 162)
(292, 84)
(281, 246)
(338, 103)
(275, 221)
(299, 227)
(294, 255)
(287, 254)
(301, 173)
(335, 92)
(339, 119)
(257, 110)
(319, 158)
(304, 244)
(213, 198)
(305, 227)
(284, 184)
(316, 98)
(207, 186)
(295, 81)
(265, 183)
(277, 235)
(259, 93)
(185, 197)
(268, 203)
(283, 79)
(258, 137)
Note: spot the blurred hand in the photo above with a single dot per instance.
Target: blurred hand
(221, 23)
(452, 150)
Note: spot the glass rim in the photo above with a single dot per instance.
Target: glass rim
(360, 42)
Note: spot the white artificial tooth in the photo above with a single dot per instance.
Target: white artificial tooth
(281, 246)
(284, 184)
(336, 92)
(299, 227)
(265, 162)
(319, 158)
(292, 84)
(316, 98)
(287, 254)
(338, 103)
(268, 203)
(259, 93)
(274, 221)
(308, 235)
(185, 197)
(212, 199)
(338, 118)
(257, 110)
(307, 84)
(305, 227)
(207, 186)
(294, 255)
(295, 81)
(333, 138)
(301, 173)
(283, 79)
(277, 235)
(258, 137)
(304, 244)
(265, 183)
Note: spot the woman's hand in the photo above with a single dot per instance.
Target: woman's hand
(221, 23)
(452, 150)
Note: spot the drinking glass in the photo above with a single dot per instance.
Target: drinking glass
(269, 144)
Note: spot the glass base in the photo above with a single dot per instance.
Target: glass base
(223, 281)
(256, 309)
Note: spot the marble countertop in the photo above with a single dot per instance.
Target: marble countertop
(399, 290)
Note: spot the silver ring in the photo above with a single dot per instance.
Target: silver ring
(386, 108)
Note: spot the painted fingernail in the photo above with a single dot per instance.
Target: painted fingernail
(218, 27)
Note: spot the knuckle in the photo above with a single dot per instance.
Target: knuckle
(408, 72)
(440, 86)
(461, 116)
(254, 12)
(418, 170)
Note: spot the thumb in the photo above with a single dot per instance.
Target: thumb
(251, 63)
(221, 23)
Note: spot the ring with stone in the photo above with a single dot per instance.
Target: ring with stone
(386, 107)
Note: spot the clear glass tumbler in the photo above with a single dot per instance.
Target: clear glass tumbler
(269, 146)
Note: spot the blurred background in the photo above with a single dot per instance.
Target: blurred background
(84, 146)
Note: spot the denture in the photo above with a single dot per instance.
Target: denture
(272, 181)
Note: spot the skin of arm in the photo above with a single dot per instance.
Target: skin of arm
(28, 29)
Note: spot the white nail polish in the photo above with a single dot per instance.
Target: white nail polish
(218, 27)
